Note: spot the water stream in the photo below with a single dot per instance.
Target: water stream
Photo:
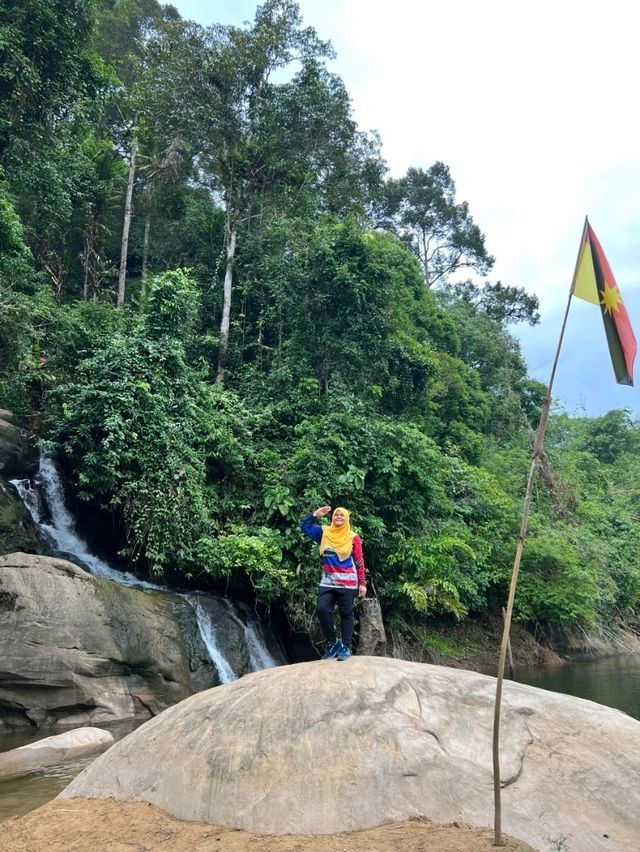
(47, 493)
(208, 633)
(259, 656)
(45, 502)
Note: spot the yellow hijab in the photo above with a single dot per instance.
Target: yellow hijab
(339, 538)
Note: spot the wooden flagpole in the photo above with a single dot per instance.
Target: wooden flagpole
(535, 459)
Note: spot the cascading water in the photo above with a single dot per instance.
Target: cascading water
(259, 656)
(208, 634)
(44, 500)
(60, 532)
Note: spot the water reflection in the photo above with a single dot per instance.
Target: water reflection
(614, 681)
(18, 796)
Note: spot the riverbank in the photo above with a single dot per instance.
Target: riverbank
(474, 644)
(80, 824)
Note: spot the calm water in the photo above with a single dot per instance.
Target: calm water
(614, 681)
(20, 795)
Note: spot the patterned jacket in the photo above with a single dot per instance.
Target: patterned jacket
(347, 573)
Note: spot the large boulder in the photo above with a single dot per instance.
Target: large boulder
(78, 650)
(52, 751)
(328, 747)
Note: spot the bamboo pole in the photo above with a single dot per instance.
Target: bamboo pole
(535, 457)
(509, 654)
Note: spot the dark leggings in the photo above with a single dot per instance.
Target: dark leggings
(327, 599)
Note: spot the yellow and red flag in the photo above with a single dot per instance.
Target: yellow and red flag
(593, 281)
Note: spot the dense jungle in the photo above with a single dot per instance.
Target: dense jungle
(218, 310)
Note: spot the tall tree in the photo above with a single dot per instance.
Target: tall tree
(421, 208)
(502, 303)
(259, 144)
(46, 66)
(49, 80)
(123, 33)
(122, 277)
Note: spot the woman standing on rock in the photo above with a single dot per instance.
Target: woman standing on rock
(342, 576)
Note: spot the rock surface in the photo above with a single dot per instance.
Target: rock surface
(17, 529)
(13, 445)
(318, 748)
(79, 650)
(51, 751)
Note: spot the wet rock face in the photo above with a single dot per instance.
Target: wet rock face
(231, 640)
(17, 530)
(80, 650)
(328, 747)
(14, 449)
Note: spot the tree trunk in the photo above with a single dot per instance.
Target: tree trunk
(125, 228)
(424, 262)
(232, 235)
(86, 260)
(145, 254)
(372, 641)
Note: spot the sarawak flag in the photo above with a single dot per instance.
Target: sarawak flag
(593, 281)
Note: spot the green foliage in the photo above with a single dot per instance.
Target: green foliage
(440, 572)
(443, 647)
(139, 427)
(347, 381)
(45, 63)
(15, 257)
(25, 313)
(611, 435)
(24, 371)
(172, 305)
(257, 556)
(277, 498)
(554, 585)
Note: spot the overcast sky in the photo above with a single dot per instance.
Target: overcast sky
(534, 109)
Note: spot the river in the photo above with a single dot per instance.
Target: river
(614, 681)
(18, 796)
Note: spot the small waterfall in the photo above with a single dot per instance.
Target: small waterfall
(208, 633)
(31, 497)
(44, 500)
(259, 656)
(60, 531)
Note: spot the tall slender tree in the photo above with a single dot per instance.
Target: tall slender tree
(421, 208)
(267, 124)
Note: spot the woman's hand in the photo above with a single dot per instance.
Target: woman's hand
(322, 511)
(362, 590)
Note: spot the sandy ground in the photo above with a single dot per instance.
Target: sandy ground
(97, 825)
